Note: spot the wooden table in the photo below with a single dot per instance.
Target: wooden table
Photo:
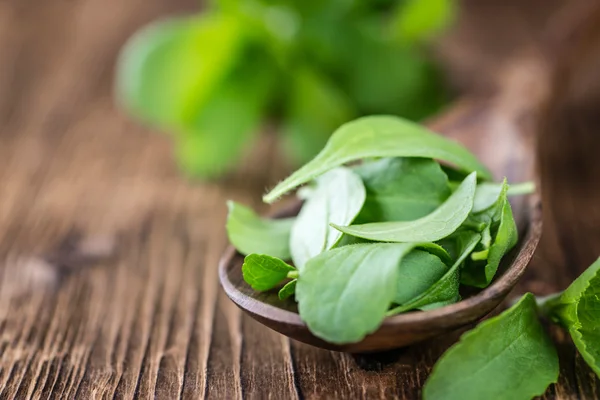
(146, 318)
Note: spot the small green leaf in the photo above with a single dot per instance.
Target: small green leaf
(487, 193)
(316, 109)
(288, 290)
(506, 357)
(401, 189)
(263, 272)
(169, 69)
(379, 136)
(435, 226)
(228, 121)
(445, 290)
(339, 196)
(418, 271)
(418, 20)
(504, 236)
(343, 294)
(251, 234)
(577, 309)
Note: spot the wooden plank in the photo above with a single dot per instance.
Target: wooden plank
(148, 319)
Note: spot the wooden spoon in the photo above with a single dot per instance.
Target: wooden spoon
(496, 130)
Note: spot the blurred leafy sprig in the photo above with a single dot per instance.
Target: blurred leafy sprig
(211, 79)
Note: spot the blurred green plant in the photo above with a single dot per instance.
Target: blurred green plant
(211, 79)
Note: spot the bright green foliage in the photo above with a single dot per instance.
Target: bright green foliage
(577, 309)
(435, 226)
(506, 357)
(379, 136)
(344, 293)
(418, 271)
(337, 198)
(264, 272)
(288, 290)
(445, 290)
(419, 19)
(500, 234)
(401, 189)
(251, 234)
(326, 61)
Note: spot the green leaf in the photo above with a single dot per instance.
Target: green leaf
(487, 193)
(435, 226)
(288, 290)
(401, 189)
(227, 122)
(379, 136)
(506, 357)
(577, 309)
(417, 20)
(316, 109)
(251, 234)
(343, 294)
(385, 78)
(263, 272)
(168, 70)
(339, 196)
(445, 290)
(504, 237)
(419, 270)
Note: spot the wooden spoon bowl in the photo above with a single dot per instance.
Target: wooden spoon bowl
(470, 122)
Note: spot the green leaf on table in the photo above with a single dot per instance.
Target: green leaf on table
(338, 196)
(506, 357)
(227, 122)
(417, 20)
(446, 219)
(445, 290)
(169, 69)
(263, 272)
(418, 271)
(344, 293)
(379, 136)
(504, 237)
(577, 309)
(401, 189)
(250, 233)
(288, 290)
(316, 108)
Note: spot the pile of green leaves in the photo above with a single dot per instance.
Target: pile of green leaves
(511, 356)
(394, 233)
(212, 79)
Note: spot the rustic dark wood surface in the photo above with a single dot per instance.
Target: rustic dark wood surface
(108, 268)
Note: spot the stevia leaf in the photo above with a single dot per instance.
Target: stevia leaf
(401, 189)
(316, 109)
(445, 290)
(506, 357)
(487, 193)
(338, 196)
(344, 293)
(214, 141)
(251, 234)
(504, 237)
(417, 20)
(169, 69)
(288, 290)
(263, 272)
(435, 226)
(379, 136)
(577, 309)
(418, 271)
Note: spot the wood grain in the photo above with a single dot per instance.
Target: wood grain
(144, 319)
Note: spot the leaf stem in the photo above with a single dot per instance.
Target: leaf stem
(519, 189)
(293, 274)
